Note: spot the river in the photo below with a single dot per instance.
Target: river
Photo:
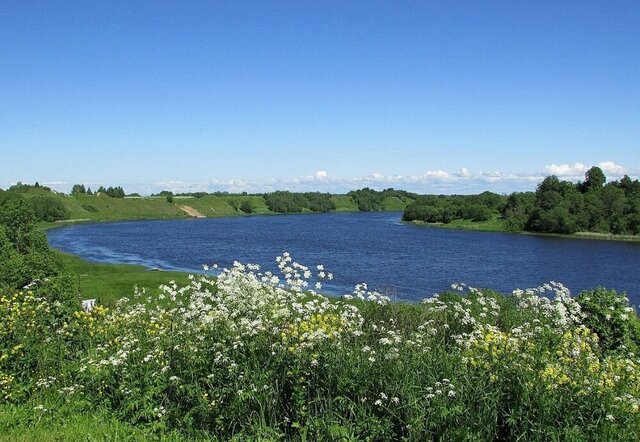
(405, 261)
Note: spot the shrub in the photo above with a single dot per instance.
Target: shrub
(610, 316)
(49, 209)
(246, 206)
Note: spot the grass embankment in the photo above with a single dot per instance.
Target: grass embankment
(82, 208)
(497, 224)
(109, 282)
(492, 225)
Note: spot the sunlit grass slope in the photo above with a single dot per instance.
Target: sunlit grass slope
(110, 282)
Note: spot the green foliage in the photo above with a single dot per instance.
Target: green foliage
(611, 317)
(445, 209)
(283, 201)
(78, 189)
(26, 188)
(234, 359)
(594, 180)
(113, 192)
(47, 208)
(234, 202)
(562, 207)
(556, 207)
(290, 202)
(170, 198)
(319, 202)
(518, 210)
(17, 214)
(89, 208)
(24, 252)
(246, 206)
(367, 199)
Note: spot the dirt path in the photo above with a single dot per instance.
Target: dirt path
(191, 211)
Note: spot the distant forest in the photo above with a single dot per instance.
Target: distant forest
(556, 206)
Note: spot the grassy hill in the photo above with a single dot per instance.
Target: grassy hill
(104, 208)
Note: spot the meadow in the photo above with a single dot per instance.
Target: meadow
(243, 354)
(249, 355)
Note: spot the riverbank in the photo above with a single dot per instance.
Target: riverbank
(109, 282)
(498, 225)
(103, 208)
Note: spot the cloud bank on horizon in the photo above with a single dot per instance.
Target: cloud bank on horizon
(436, 181)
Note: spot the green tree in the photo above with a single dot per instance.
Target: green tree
(17, 214)
(518, 210)
(594, 179)
(558, 207)
(78, 189)
(47, 208)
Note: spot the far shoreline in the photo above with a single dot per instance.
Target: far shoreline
(481, 226)
(458, 224)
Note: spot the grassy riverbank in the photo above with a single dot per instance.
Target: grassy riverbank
(84, 208)
(496, 224)
(109, 282)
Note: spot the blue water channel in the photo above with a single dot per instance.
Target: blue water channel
(405, 261)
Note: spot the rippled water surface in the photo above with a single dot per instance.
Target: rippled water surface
(405, 261)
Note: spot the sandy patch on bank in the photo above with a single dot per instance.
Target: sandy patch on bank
(191, 211)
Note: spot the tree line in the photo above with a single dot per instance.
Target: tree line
(557, 206)
(446, 208)
(283, 201)
(369, 200)
(113, 192)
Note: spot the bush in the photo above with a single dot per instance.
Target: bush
(49, 209)
(246, 206)
(610, 316)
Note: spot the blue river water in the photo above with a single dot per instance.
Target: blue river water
(405, 261)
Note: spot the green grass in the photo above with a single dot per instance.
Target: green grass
(104, 208)
(492, 225)
(498, 225)
(215, 206)
(18, 424)
(393, 204)
(109, 282)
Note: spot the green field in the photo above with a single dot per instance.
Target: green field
(110, 282)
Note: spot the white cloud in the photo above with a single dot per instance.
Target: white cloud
(566, 169)
(577, 170)
(611, 168)
(321, 174)
(438, 174)
(431, 181)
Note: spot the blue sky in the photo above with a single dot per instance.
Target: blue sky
(426, 96)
